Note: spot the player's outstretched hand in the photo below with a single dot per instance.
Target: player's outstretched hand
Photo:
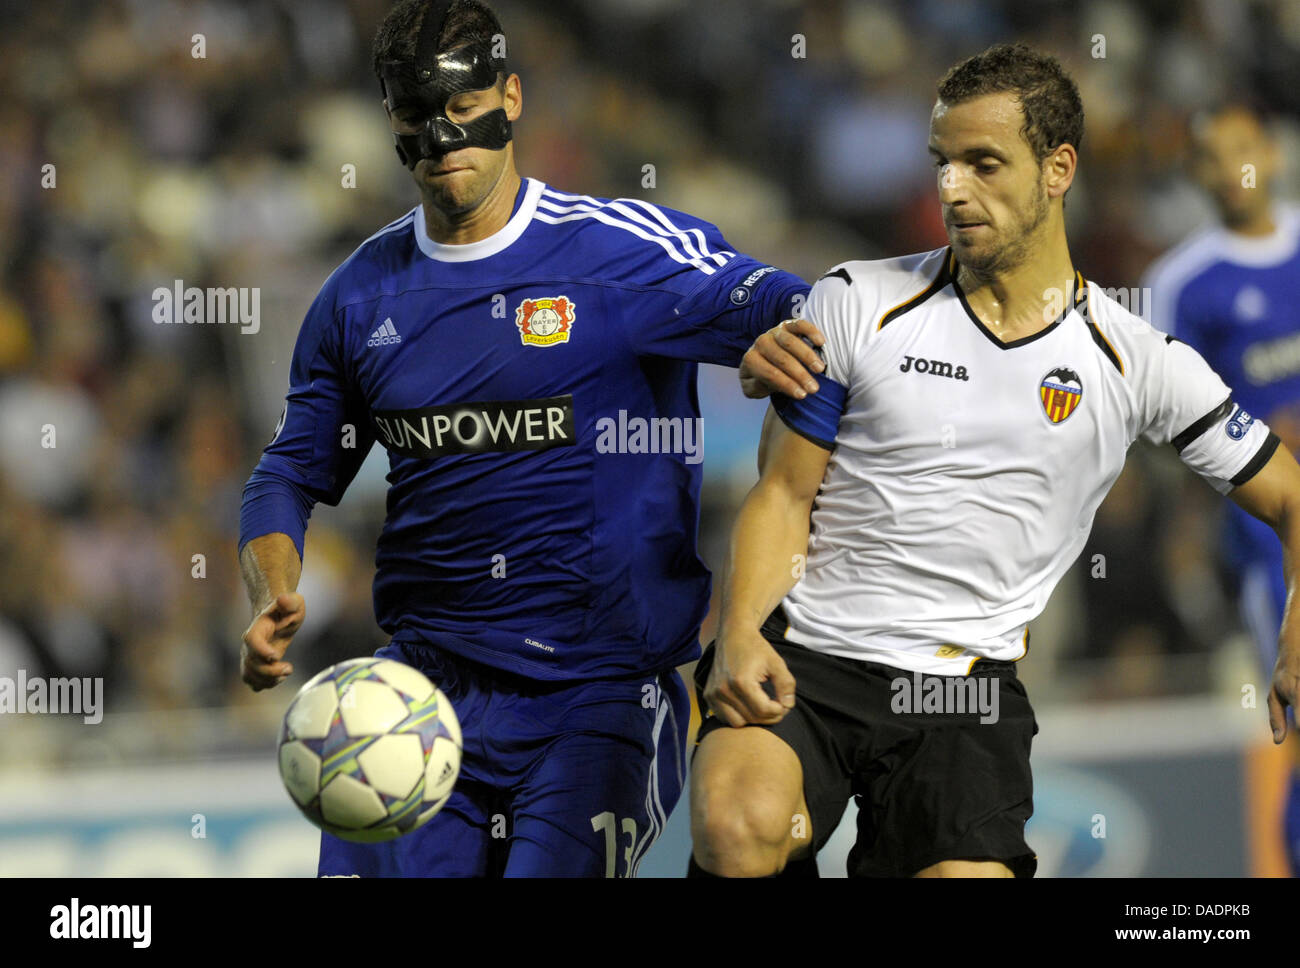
(743, 661)
(262, 662)
(1285, 691)
(780, 361)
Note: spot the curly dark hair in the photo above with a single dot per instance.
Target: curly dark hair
(468, 22)
(1049, 98)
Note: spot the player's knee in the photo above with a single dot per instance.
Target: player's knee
(739, 830)
(966, 868)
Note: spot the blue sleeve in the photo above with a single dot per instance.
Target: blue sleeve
(720, 319)
(817, 416)
(309, 460)
(701, 301)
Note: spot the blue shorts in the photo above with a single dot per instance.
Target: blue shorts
(556, 780)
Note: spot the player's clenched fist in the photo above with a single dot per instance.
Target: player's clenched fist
(742, 662)
(782, 361)
(262, 662)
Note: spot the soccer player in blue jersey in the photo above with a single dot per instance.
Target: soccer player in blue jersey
(1232, 291)
(527, 358)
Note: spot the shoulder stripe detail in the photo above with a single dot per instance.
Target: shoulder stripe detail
(941, 280)
(658, 215)
(1094, 331)
(661, 225)
(1262, 457)
(1172, 272)
(1200, 426)
(667, 244)
(1187, 258)
(691, 240)
(401, 223)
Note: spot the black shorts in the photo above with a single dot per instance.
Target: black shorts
(930, 786)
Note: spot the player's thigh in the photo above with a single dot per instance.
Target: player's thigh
(593, 810)
(950, 792)
(747, 783)
(462, 840)
(597, 802)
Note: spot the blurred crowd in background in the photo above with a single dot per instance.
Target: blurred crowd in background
(117, 543)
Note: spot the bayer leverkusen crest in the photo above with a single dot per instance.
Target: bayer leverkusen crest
(544, 322)
(1060, 392)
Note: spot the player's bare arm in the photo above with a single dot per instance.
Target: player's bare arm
(768, 543)
(271, 569)
(782, 361)
(1273, 496)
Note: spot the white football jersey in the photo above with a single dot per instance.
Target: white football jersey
(965, 472)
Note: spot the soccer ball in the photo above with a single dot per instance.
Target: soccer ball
(369, 749)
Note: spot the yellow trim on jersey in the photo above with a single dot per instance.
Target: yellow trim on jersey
(950, 261)
(903, 305)
(1083, 287)
(1024, 642)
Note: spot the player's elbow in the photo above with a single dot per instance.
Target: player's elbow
(1284, 517)
(1272, 495)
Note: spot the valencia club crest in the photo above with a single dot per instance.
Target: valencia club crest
(545, 322)
(1060, 392)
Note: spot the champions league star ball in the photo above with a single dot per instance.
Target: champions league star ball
(370, 749)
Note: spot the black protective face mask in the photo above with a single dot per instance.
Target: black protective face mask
(425, 85)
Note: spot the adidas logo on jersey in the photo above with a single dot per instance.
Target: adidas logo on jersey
(933, 367)
(385, 335)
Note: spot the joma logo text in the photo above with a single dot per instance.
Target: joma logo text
(934, 368)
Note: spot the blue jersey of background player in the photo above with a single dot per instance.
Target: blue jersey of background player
(528, 358)
(1232, 291)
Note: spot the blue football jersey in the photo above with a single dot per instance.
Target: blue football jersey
(1236, 300)
(535, 392)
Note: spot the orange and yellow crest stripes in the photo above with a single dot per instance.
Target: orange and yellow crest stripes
(1060, 393)
(544, 322)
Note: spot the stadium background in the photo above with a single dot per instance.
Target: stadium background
(227, 170)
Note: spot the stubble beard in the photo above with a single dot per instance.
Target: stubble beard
(1018, 249)
(453, 202)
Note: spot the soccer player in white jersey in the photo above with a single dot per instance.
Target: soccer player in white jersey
(915, 513)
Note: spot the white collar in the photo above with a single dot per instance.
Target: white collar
(498, 241)
(1264, 250)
